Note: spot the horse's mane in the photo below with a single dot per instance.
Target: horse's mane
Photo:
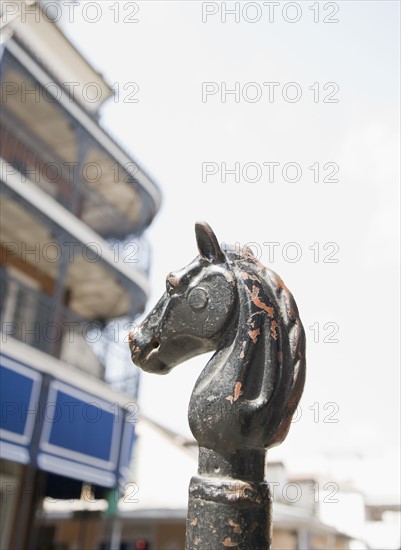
(269, 334)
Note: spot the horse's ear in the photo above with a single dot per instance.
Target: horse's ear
(207, 243)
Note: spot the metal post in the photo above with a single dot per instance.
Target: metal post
(229, 502)
(116, 532)
(32, 488)
(79, 182)
(244, 399)
(58, 295)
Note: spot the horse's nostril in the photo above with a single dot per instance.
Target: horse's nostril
(155, 344)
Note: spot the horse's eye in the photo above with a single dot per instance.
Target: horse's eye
(198, 298)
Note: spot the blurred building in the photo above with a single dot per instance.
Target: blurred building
(155, 509)
(74, 206)
(159, 514)
(310, 512)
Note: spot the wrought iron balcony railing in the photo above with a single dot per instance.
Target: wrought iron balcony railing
(34, 318)
(65, 181)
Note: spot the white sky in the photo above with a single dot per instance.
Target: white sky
(168, 54)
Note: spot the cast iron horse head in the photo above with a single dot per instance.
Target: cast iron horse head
(228, 301)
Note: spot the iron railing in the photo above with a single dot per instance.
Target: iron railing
(31, 316)
(62, 180)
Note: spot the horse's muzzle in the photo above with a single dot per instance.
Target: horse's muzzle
(145, 353)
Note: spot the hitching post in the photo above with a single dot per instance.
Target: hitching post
(244, 399)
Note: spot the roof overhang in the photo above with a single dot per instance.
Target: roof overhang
(31, 23)
(100, 280)
(138, 200)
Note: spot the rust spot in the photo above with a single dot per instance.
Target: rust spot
(273, 328)
(254, 334)
(278, 281)
(258, 302)
(237, 392)
(173, 280)
(228, 543)
(237, 527)
(194, 521)
(246, 276)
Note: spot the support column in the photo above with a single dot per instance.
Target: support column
(58, 297)
(79, 183)
(229, 502)
(31, 489)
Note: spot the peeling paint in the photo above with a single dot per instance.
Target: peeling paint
(237, 527)
(237, 392)
(258, 302)
(254, 334)
(173, 280)
(228, 543)
(246, 276)
(278, 281)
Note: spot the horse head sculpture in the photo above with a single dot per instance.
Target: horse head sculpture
(227, 301)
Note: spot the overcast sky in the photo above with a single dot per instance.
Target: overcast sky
(334, 108)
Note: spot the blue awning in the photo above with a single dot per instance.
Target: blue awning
(62, 429)
(20, 389)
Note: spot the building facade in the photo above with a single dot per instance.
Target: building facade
(74, 206)
(153, 515)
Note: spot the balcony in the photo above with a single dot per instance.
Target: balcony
(34, 318)
(64, 182)
(64, 151)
